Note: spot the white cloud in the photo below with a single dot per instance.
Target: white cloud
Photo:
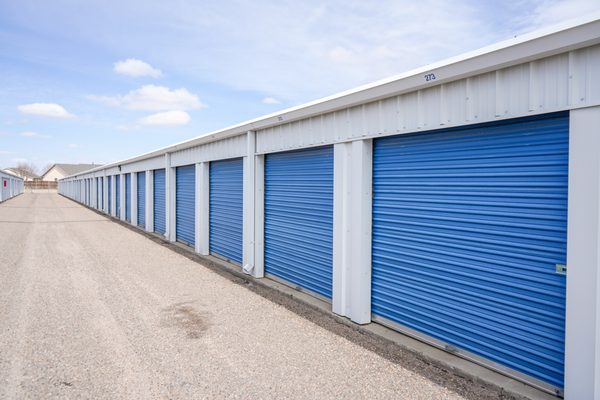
(270, 100)
(175, 117)
(127, 127)
(153, 98)
(5, 152)
(52, 110)
(340, 54)
(136, 68)
(73, 146)
(31, 134)
(550, 12)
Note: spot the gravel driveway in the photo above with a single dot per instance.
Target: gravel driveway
(91, 309)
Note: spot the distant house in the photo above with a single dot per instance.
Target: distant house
(22, 173)
(59, 171)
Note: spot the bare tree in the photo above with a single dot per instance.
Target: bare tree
(27, 167)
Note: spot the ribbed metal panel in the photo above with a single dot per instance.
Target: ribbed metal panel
(185, 204)
(299, 218)
(128, 197)
(226, 208)
(102, 193)
(144, 165)
(468, 226)
(109, 193)
(160, 199)
(118, 195)
(141, 199)
(554, 83)
(232, 147)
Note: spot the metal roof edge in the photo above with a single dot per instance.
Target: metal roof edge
(567, 36)
(12, 174)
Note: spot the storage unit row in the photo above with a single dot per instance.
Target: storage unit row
(10, 186)
(454, 225)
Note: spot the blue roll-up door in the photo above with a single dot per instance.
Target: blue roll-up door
(469, 226)
(299, 218)
(160, 199)
(185, 204)
(226, 209)
(96, 183)
(128, 197)
(118, 195)
(141, 199)
(102, 193)
(109, 192)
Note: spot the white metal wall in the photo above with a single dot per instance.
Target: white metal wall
(561, 82)
(219, 150)
(14, 186)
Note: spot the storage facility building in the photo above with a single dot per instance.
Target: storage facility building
(458, 203)
(10, 185)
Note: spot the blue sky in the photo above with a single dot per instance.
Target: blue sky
(99, 81)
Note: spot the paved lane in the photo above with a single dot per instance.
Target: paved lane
(90, 309)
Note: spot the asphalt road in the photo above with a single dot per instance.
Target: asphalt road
(91, 309)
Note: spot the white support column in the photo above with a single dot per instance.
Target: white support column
(134, 210)
(149, 201)
(582, 341)
(202, 208)
(249, 187)
(170, 200)
(352, 196)
(122, 197)
(259, 216)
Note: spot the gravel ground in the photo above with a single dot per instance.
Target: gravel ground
(91, 309)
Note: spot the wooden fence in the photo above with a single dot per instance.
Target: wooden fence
(37, 185)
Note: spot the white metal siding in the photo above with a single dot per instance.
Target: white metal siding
(144, 165)
(227, 148)
(554, 83)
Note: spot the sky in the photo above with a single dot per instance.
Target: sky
(100, 81)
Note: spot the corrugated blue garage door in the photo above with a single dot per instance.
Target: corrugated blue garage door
(299, 218)
(226, 208)
(141, 199)
(185, 204)
(109, 192)
(118, 195)
(159, 201)
(128, 197)
(469, 226)
(102, 193)
(97, 190)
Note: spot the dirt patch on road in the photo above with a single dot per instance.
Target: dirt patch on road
(184, 316)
